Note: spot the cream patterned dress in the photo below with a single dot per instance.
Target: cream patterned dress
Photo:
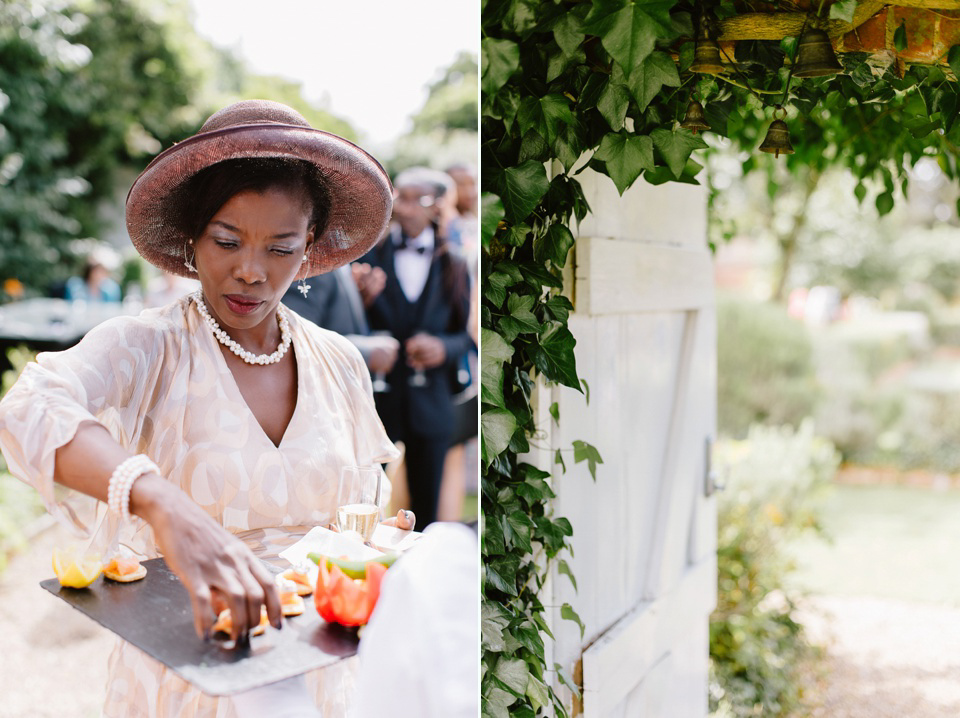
(160, 385)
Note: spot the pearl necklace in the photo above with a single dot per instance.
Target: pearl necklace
(248, 357)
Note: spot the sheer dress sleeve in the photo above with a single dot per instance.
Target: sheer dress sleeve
(111, 377)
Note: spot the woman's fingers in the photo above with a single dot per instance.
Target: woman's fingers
(271, 594)
(406, 520)
(200, 599)
(236, 599)
(219, 604)
(255, 597)
(218, 570)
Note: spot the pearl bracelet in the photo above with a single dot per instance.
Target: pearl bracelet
(121, 481)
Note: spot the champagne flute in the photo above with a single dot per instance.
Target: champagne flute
(419, 376)
(358, 499)
(380, 384)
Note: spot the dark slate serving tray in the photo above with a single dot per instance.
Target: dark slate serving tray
(155, 615)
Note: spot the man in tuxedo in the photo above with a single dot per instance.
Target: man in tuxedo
(425, 305)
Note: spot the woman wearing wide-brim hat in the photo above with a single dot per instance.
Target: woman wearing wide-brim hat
(215, 428)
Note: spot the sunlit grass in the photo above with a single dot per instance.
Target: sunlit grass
(887, 541)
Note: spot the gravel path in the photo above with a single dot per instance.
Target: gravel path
(885, 658)
(54, 658)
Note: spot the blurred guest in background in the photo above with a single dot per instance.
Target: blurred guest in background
(333, 301)
(464, 227)
(167, 288)
(96, 285)
(425, 305)
(459, 472)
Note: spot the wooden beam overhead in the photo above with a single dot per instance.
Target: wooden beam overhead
(760, 26)
(928, 4)
(776, 26)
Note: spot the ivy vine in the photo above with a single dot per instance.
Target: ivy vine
(571, 84)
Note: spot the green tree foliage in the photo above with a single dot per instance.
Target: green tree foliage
(289, 92)
(452, 100)
(445, 129)
(82, 93)
(765, 368)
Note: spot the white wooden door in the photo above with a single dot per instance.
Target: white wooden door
(645, 533)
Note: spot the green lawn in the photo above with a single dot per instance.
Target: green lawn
(885, 541)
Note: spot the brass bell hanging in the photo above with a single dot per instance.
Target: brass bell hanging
(694, 119)
(816, 57)
(706, 58)
(777, 141)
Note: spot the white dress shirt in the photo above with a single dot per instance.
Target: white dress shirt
(412, 263)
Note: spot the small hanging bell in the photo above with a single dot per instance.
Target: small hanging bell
(815, 57)
(706, 58)
(694, 119)
(777, 141)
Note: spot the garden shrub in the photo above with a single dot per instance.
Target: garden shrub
(19, 503)
(921, 433)
(886, 403)
(765, 367)
(775, 480)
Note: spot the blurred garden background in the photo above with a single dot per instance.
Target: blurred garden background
(839, 370)
(90, 91)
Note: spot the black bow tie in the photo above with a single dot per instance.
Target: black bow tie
(405, 244)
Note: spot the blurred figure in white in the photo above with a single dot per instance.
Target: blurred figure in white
(421, 648)
(167, 288)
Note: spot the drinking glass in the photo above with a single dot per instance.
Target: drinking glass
(358, 499)
(380, 383)
(418, 378)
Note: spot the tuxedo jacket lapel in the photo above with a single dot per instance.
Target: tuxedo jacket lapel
(392, 292)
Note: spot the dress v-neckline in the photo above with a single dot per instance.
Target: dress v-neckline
(225, 368)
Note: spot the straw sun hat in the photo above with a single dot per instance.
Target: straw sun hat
(361, 195)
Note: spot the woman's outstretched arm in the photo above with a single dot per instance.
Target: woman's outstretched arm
(216, 568)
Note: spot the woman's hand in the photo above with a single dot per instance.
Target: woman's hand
(217, 569)
(405, 520)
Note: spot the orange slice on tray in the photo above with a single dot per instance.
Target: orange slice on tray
(74, 569)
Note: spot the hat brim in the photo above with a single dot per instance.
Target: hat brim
(361, 196)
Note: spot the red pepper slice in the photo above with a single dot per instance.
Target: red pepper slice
(344, 600)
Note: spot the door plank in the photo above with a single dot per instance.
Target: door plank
(668, 477)
(615, 277)
(616, 662)
(611, 513)
(686, 481)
